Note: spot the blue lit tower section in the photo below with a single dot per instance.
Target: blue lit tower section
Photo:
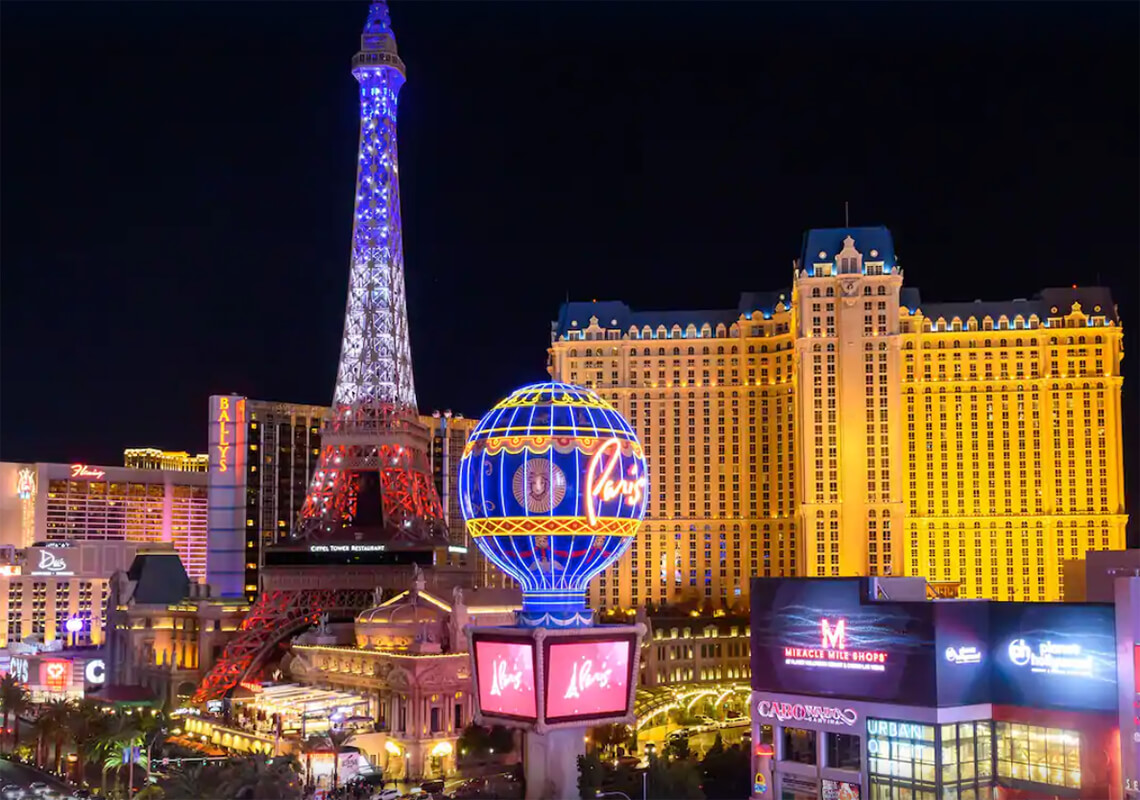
(374, 482)
(376, 356)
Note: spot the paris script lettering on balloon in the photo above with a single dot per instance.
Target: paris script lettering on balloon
(502, 678)
(583, 678)
(605, 482)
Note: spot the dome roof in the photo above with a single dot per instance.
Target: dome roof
(400, 614)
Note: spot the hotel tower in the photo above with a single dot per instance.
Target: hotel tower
(846, 427)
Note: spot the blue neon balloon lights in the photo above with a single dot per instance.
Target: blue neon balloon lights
(553, 485)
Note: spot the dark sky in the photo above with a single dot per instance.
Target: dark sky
(177, 182)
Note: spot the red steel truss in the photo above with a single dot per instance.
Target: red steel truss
(275, 616)
(374, 481)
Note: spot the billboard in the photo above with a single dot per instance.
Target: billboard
(820, 637)
(962, 652)
(587, 678)
(505, 677)
(55, 675)
(1054, 655)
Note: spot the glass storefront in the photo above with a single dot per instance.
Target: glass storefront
(1029, 753)
(799, 745)
(967, 760)
(902, 760)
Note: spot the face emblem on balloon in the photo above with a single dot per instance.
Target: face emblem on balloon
(539, 485)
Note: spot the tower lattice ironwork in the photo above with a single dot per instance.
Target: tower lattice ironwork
(374, 482)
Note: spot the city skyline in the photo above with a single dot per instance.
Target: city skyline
(1014, 189)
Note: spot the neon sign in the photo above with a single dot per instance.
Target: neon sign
(803, 712)
(601, 485)
(1050, 658)
(25, 484)
(51, 564)
(55, 675)
(503, 678)
(223, 443)
(833, 652)
(84, 471)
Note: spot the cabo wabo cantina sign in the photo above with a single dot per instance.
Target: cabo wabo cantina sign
(806, 712)
(833, 651)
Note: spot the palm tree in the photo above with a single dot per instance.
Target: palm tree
(56, 716)
(193, 781)
(44, 728)
(85, 724)
(14, 699)
(113, 760)
(256, 778)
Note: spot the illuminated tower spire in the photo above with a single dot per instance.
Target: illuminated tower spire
(374, 482)
(375, 354)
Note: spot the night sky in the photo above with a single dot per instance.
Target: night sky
(177, 182)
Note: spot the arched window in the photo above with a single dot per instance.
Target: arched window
(866, 291)
(882, 290)
(815, 292)
(830, 292)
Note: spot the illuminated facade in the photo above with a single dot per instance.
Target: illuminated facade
(844, 427)
(41, 588)
(153, 458)
(82, 502)
(282, 448)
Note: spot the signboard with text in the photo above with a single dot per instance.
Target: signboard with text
(587, 678)
(821, 637)
(1054, 655)
(505, 677)
(541, 678)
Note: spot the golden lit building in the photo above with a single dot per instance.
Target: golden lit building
(843, 427)
(153, 458)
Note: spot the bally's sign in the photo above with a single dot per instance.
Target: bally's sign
(805, 712)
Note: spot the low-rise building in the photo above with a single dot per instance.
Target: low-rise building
(410, 661)
(165, 632)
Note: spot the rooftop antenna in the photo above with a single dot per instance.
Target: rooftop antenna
(846, 215)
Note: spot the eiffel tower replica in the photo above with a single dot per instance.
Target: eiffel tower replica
(372, 516)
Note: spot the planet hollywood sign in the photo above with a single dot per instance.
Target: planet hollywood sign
(803, 712)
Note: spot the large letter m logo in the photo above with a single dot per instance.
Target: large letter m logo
(833, 638)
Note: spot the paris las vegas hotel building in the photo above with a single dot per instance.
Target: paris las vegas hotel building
(845, 427)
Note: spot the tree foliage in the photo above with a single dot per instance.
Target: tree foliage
(726, 772)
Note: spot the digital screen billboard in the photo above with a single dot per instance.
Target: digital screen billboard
(962, 652)
(818, 636)
(505, 677)
(587, 678)
(1054, 655)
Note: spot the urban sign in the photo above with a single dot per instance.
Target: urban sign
(347, 548)
(605, 482)
(95, 671)
(587, 678)
(805, 712)
(84, 471)
(224, 421)
(833, 652)
(505, 678)
(18, 669)
(51, 564)
(963, 655)
(55, 675)
(1051, 658)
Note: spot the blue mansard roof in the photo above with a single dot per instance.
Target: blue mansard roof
(829, 241)
(614, 314)
(1090, 298)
